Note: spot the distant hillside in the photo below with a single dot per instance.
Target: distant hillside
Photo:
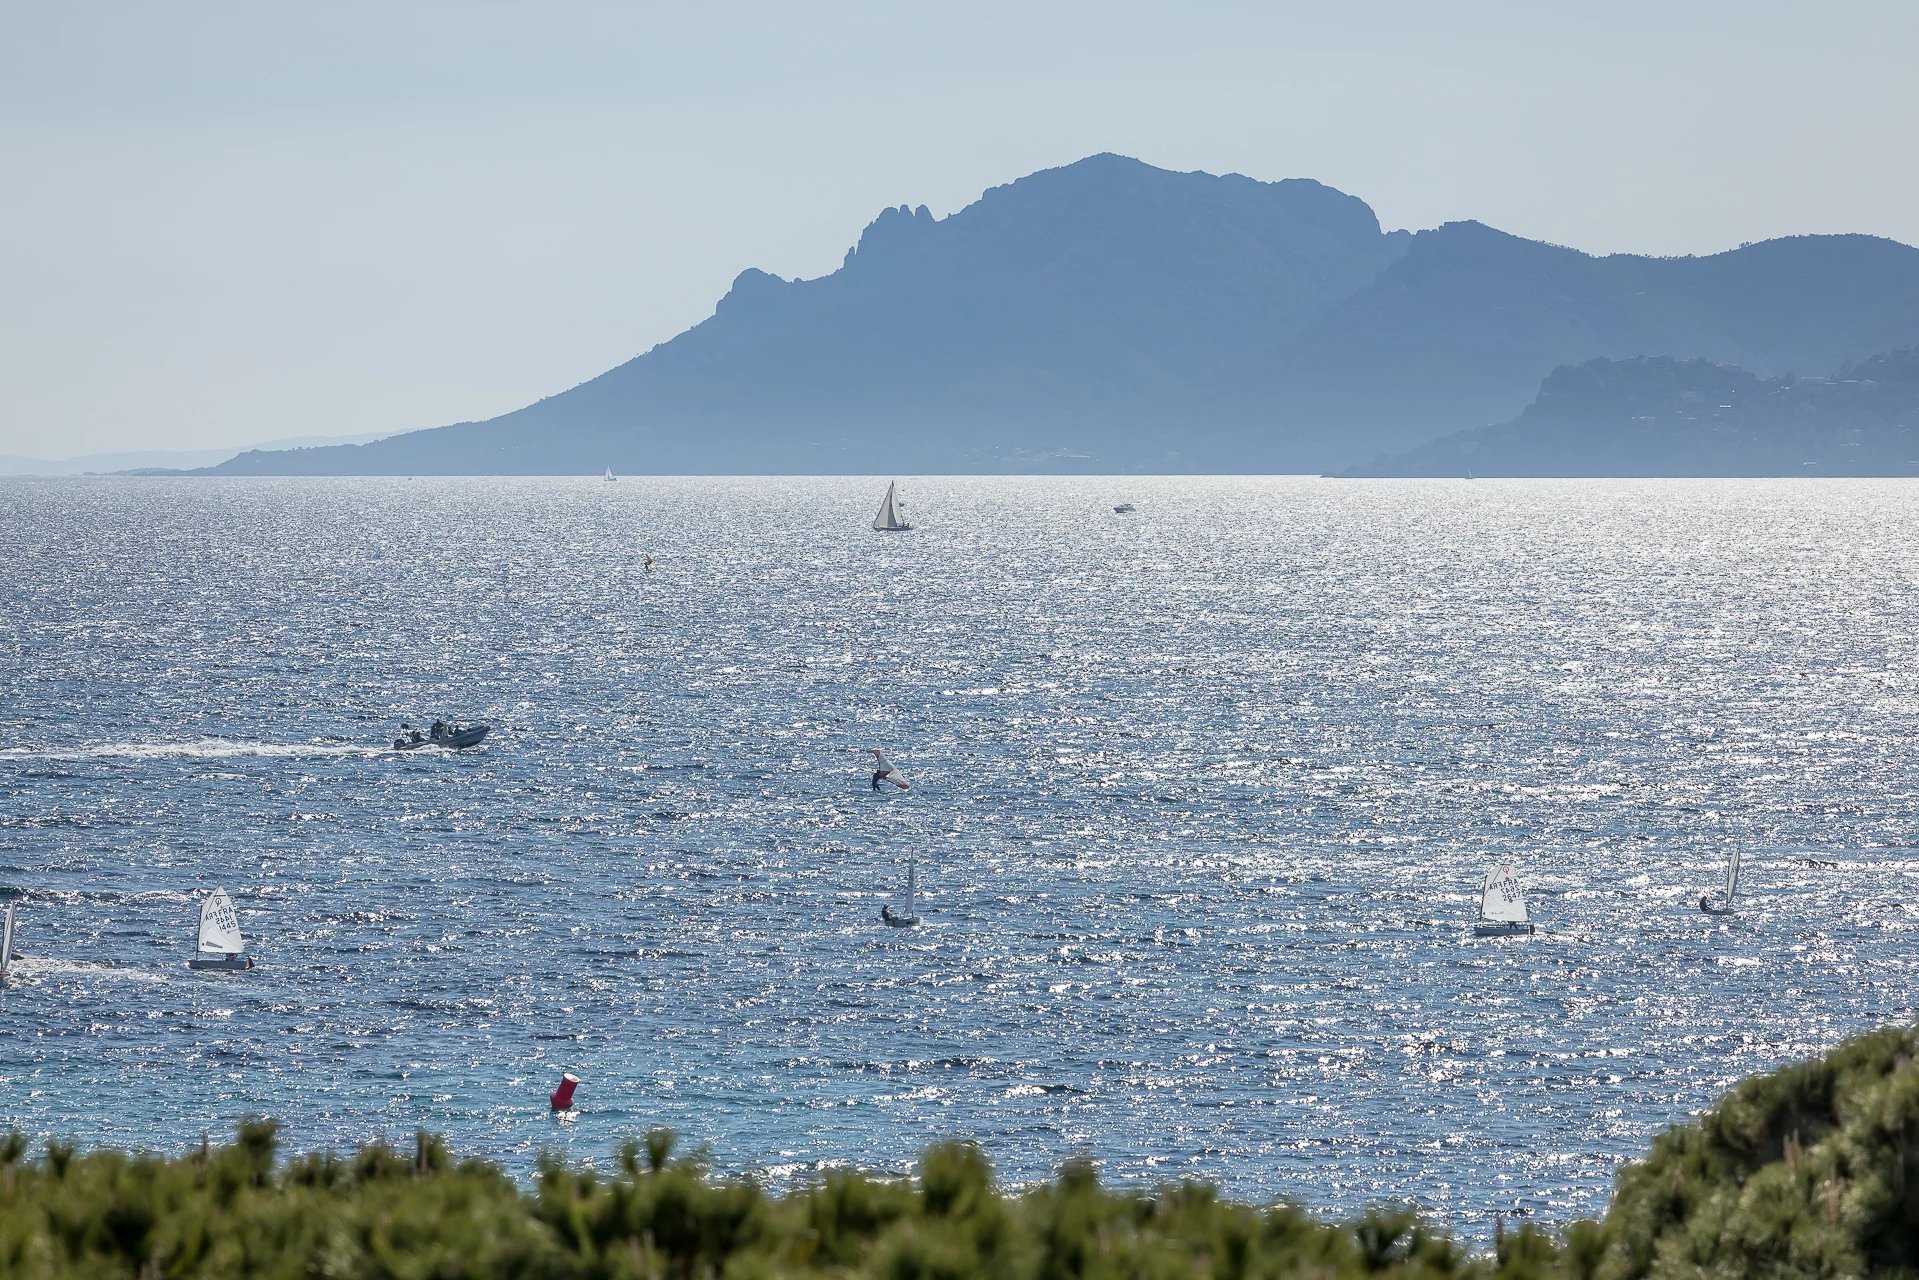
(1110, 316)
(156, 460)
(1654, 416)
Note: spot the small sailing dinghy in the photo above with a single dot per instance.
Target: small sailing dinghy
(884, 770)
(221, 946)
(910, 917)
(889, 520)
(1502, 905)
(6, 945)
(610, 475)
(1724, 905)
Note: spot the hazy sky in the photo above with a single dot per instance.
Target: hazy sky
(222, 223)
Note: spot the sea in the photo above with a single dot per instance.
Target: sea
(1201, 801)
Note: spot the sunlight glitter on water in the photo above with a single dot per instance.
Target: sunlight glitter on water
(1201, 800)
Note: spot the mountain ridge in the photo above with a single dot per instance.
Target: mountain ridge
(1110, 316)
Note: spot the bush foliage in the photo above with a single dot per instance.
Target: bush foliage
(1806, 1172)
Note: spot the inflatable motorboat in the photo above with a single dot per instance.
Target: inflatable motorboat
(448, 736)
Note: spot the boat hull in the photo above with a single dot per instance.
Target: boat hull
(221, 962)
(1501, 929)
(452, 742)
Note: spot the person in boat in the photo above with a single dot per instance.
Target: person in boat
(886, 909)
(439, 730)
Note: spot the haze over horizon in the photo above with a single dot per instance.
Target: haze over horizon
(229, 224)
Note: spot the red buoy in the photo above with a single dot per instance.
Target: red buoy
(562, 1097)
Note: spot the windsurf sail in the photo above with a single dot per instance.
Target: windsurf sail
(1502, 899)
(6, 942)
(888, 771)
(220, 925)
(889, 516)
(912, 889)
(1732, 877)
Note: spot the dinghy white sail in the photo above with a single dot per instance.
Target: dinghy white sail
(610, 475)
(221, 946)
(1724, 906)
(889, 520)
(6, 945)
(910, 916)
(884, 770)
(1502, 905)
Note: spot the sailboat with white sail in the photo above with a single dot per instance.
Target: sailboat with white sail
(890, 519)
(6, 945)
(221, 946)
(609, 474)
(910, 916)
(1724, 906)
(1502, 905)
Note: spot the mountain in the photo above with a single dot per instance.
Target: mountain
(1111, 316)
(156, 459)
(1655, 416)
(1460, 330)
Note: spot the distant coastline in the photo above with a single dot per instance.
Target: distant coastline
(1108, 317)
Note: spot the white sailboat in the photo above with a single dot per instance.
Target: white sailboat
(6, 945)
(884, 770)
(1724, 906)
(1502, 905)
(909, 917)
(889, 520)
(221, 946)
(610, 475)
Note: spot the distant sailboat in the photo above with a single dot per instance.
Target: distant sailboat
(1724, 907)
(1502, 905)
(889, 520)
(221, 946)
(909, 917)
(6, 945)
(884, 770)
(610, 475)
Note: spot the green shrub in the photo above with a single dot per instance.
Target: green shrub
(1812, 1171)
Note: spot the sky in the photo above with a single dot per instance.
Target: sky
(235, 222)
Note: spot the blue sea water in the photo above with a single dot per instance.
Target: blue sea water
(1202, 797)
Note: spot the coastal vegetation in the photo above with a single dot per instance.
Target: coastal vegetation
(1809, 1171)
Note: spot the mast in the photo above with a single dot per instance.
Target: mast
(912, 888)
